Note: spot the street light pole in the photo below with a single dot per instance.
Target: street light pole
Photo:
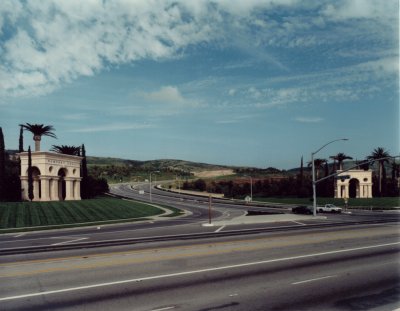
(313, 174)
(151, 200)
(251, 186)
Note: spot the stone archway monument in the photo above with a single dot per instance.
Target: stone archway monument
(361, 180)
(57, 176)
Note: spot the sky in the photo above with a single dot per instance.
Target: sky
(232, 82)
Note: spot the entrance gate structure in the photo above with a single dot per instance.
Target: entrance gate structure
(56, 177)
(354, 184)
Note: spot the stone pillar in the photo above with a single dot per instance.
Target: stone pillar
(24, 188)
(77, 190)
(339, 191)
(346, 195)
(54, 189)
(36, 192)
(369, 191)
(45, 187)
(69, 189)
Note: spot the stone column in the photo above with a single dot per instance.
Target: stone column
(370, 191)
(338, 191)
(24, 188)
(45, 187)
(77, 189)
(346, 190)
(54, 189)
(69, 189)
(36, 192)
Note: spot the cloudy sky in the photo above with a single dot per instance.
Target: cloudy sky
(257, 83)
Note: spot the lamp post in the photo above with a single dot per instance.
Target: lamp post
(151, 200)
(313, 175)
(251, 187)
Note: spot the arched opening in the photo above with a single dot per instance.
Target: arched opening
(354, 188)
(62, 172)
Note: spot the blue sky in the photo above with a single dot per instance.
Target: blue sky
(254, 83)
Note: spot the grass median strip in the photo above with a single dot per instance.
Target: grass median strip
(18, 215)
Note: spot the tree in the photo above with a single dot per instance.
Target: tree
(380, 156)
(318, 163)
(39, 130)
(21, 139)
(395, 170)
(64, 149)
(2, 166)
(30, 175)
(340, 157)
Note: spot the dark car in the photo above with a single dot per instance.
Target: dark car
(302, 210)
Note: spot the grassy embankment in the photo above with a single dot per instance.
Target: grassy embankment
(374, 203)
(14, 216)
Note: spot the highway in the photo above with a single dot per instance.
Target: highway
(334, 262)
(189, 224)
(351, 268)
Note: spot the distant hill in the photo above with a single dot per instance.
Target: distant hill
(161, 164)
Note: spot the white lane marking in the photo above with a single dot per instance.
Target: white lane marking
(312, 280)
(163, 276)
(299, 223)
(18, 235)
(162, 309)
(70, 241)
(219, 229)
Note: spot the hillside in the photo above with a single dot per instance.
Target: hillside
(162, 164)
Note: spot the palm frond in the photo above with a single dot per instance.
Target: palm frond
(65, 149)
(40, 129)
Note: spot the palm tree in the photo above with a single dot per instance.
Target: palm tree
(340, 157)
(318, 163)
(381, 156)
(64, 149)
(39, 130)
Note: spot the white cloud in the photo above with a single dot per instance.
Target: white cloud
(351, 9)
(75, 116)
(232, 92)
(168, 94)
(63, 40)
(49, 43)
(309, 119)
(112, 127)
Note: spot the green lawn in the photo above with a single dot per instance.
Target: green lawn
(388, 202)
(34, 214)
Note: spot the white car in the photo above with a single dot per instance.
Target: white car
(329, 208)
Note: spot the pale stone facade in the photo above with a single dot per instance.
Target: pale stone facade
(359, 185)
(56, 176)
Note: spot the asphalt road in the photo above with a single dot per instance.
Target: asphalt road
(197, 214)
(345, 268)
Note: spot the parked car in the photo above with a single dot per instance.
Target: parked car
(329, 208)
(302, 209)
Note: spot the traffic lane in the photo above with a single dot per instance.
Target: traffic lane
(273, 245)
(278, 267)
(277, 287)
(167, 196)
(380, 234)
(150, 229)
